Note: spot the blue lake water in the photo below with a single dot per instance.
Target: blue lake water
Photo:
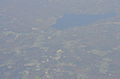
(74, 20)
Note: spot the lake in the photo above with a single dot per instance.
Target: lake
(73, 20)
